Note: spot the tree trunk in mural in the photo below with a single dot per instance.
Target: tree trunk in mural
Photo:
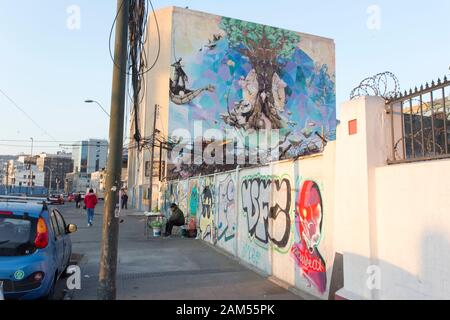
(263, 46)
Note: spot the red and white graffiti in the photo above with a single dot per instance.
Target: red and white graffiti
(308, 218)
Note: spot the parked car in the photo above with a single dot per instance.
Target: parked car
(35, 248)
(56, 199)
(70, 198)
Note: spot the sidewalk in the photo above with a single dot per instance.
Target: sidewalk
(165, 268)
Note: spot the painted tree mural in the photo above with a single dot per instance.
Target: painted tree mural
(241, 77)
(263, 89)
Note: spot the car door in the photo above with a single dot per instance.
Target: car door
(59, 240)
(66, 239)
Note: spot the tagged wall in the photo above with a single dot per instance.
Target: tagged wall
(277, 218)
(253, 222)
(226, 212)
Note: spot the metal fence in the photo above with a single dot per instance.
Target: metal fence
(419, 123)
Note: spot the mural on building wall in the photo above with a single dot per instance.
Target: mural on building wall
(226, 212)
(261, 211)
(207, 207)
(309, 218)
(232, 74)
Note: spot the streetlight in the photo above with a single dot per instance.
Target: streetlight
(93, 101)
(31, 170)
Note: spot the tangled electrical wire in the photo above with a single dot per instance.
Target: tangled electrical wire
(137, 64)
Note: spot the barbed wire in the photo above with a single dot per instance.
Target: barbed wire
(385, 85)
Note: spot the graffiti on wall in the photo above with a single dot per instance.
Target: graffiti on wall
(226, 213)
(308, 220)
(168, 197)
(193, 198)
(181, 196)
(207, 226)
(260, 211)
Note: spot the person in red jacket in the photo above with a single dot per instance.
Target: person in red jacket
(90, 201)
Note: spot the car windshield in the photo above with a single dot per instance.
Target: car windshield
(16, 235)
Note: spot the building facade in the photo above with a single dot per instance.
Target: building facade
(20, 174)
(229, 79)
(90, 155)
(77, 182)
(55, 167)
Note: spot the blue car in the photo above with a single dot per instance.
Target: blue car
(35, 249)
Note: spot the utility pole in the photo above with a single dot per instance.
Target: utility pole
(7, 177)
(152, 159)
(31, 171)
(110, 237)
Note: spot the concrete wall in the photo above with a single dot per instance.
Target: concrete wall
(413, 230)
(276, 218)
(391, 222)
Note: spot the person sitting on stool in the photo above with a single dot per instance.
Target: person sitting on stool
(176, 219)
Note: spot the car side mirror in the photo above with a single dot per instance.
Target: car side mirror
(71, 228)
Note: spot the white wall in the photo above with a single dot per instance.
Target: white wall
(413, 223)
(356, 157)
(391, 222)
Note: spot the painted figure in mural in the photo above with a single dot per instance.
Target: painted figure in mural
(308, 214)
(180, 76)
(179, 94)
(193, 201)
(207, 217)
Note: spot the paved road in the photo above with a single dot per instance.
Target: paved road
(164, 268)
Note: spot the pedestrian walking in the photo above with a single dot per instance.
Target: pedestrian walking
(78, 200)
(124, 201)
(90, 201)
(176, 219)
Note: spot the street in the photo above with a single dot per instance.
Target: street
(162, 268)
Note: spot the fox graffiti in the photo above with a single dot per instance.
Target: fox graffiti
(257, 206)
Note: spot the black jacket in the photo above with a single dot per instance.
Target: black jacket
(177, 216)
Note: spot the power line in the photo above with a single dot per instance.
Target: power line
(26, 114)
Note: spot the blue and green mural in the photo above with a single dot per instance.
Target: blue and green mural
(249, 77)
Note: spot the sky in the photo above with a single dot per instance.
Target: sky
(49, 65)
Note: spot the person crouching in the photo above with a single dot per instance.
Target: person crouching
(176, 219)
